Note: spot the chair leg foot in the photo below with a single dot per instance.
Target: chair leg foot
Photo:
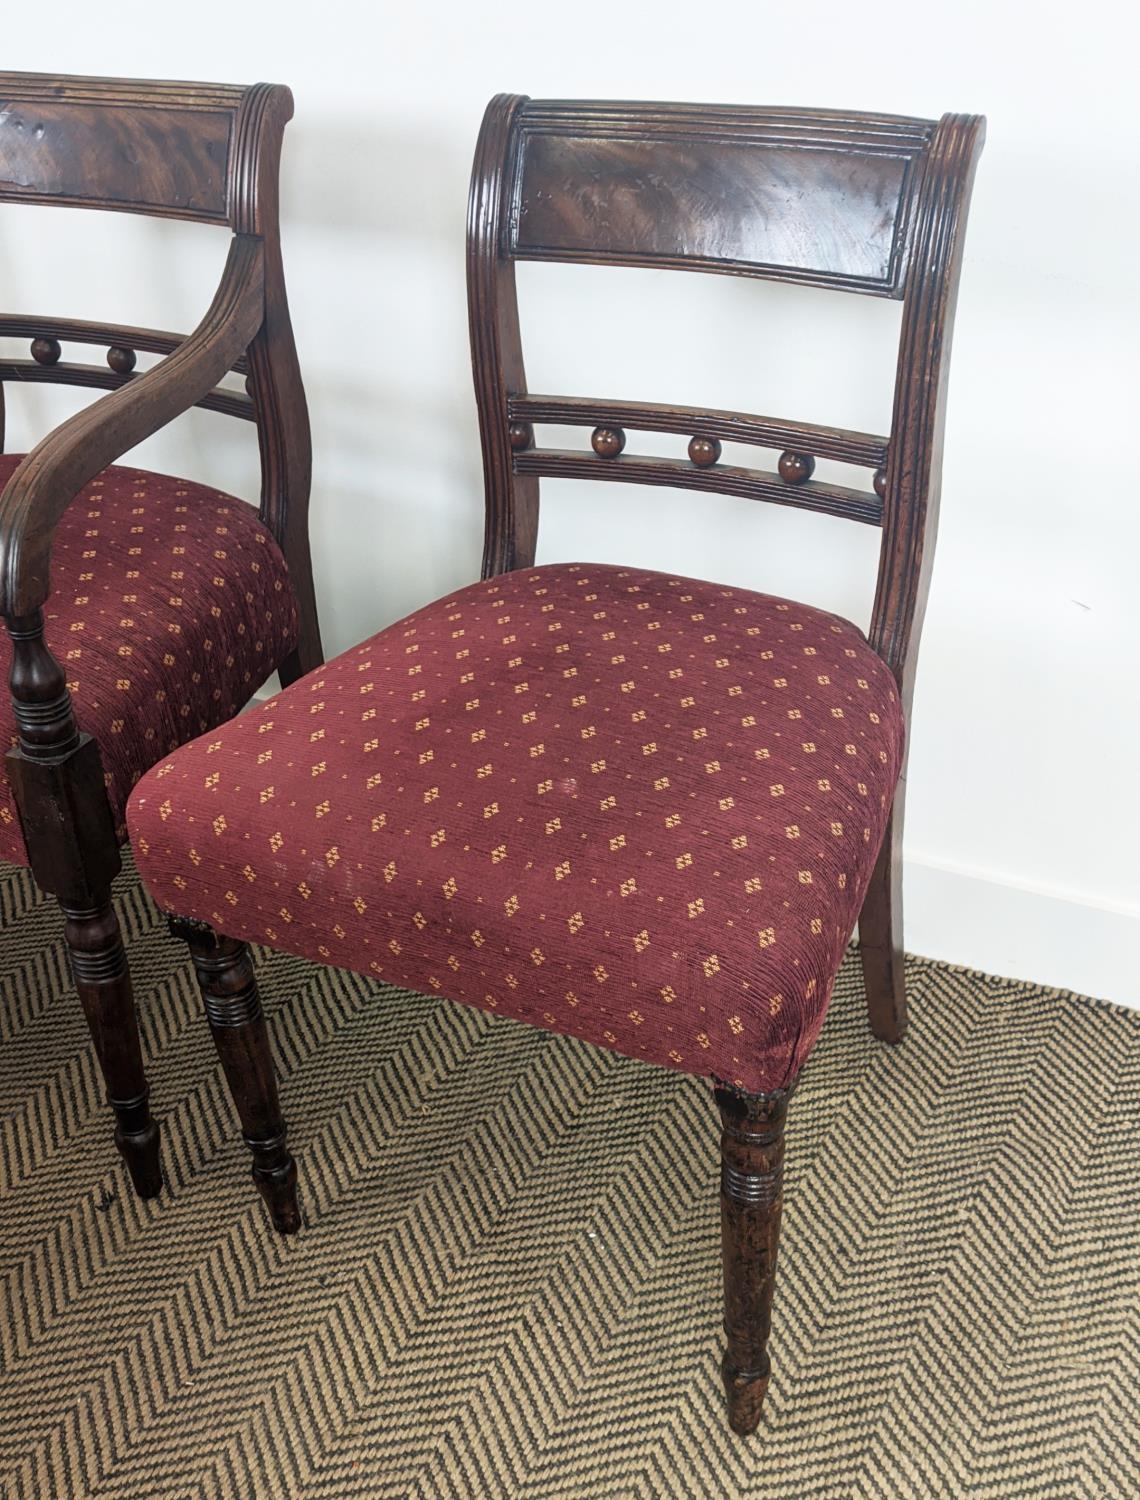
(745, 1391)
(275, 1177)
(139, 1147)
(751, 1197)
(224, 968)
(103, 982)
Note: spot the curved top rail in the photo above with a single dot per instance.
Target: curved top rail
(174, 150)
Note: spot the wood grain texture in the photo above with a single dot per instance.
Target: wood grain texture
(162, 161)
(816, 198)
(140, 147)
(743, 211)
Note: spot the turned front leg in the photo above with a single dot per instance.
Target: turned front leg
(224, 968)
(751, 1197)
(103, 983)
(56, 776)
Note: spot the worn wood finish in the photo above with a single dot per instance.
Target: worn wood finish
(865, 203)
(765, 192)
(751, 1200)
(226, 979)
(194, 151)
(163, 160)
(146, 147)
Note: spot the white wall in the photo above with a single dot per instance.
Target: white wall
(1023, 826)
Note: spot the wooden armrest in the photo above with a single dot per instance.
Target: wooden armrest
(47, 481)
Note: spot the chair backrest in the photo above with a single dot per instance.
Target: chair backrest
(199, 151)
(866, 203)
(173, 150)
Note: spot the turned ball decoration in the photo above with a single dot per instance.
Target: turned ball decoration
(607, 442)
(796, 468)
(46, 351)
(121, 360)
(704, 452)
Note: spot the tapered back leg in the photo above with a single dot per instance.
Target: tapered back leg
(880, 935)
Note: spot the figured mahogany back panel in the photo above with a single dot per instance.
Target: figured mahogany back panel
(811, 198)
(138, 146)
(865, 203)
(199, 151)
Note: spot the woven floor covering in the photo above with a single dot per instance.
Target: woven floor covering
(509, 1280)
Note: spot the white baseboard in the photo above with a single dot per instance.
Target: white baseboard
(1004, 929)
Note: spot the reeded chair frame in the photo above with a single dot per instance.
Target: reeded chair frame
(202, 152)
(868, 204)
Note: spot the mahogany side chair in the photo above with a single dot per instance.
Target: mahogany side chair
(643, 810)
(141, 609)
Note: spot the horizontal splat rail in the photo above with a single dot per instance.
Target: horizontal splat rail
(98, 377)
(723, 479)
(836, 443)
(110, 335)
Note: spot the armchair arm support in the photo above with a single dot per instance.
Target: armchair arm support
(47, 481)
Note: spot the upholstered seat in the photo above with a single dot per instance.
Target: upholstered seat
(636, 808)
(170, 606)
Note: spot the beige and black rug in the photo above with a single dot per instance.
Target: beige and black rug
(508, 1285)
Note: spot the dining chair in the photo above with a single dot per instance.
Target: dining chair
(640, 809)
(142, 609)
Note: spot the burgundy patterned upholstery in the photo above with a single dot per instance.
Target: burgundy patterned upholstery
(170, 606)
(639, 809)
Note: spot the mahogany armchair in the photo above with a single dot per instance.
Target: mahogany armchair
(643, 810)
(142, 610)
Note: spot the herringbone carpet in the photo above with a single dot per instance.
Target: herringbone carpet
(508, 1285)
